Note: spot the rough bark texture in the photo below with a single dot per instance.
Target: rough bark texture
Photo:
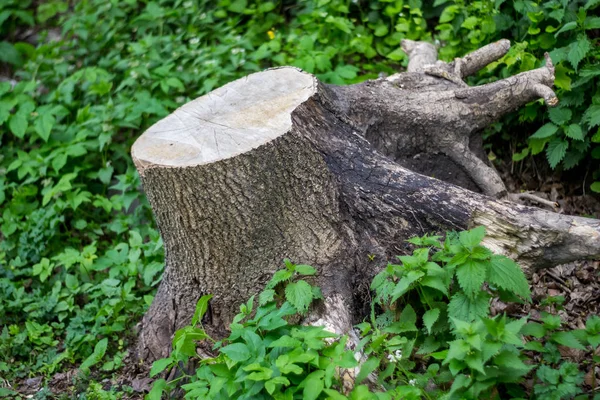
(278, 165)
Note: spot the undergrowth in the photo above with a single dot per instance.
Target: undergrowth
(80, 256)
(430, 335)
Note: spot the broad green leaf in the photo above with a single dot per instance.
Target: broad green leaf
(574, 131)
(560, 115)
(578, 50)
(157, 390)
(467, 309)
(566, 27)
(595, 187)
(471, 275)
(591, 4)
(299, 294)
(545, 131)
(43, 125)
(557, 148)
(534, 329)
(507, 274)
(236, 352)
(279, 276)
(591, 23)
(18, 124)
(566, 338)
(159, 366)
(430, 317)
(313, 385)
(592, 115)
(366, 368)
(404, 284)
(472, 237)
(305, 269)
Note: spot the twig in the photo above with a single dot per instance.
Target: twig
(528, 196)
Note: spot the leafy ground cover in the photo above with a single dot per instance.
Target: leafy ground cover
(79, 252)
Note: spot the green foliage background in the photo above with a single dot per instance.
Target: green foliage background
(80, 256)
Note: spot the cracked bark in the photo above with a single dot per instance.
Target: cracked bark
(279, 165)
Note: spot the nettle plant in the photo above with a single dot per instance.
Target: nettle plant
(430, 335)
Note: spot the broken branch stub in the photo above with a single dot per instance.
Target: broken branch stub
(279, 165)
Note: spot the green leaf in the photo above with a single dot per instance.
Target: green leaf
(595, 187)
(201, 308)
(159, 366)
(534, 329)
(236, 352)
(566, 27)
(266, 296)
(557, 148)
(157, 390)
(18, 124)
(592, 115)
(545, 131)
(507, 274)
(96, 356)
(299, 294)
(43, 125)
(366, 368)
(560, 115)
(279, 276)
(305, 270)
(286, 341)
(591, 23)
(471, 275)
(578, 50)
(472, 238)
(566, 338)
(590, 4)
(313, 385)
(467, 309)
(430, 317)
(574, 131)
(404, 284)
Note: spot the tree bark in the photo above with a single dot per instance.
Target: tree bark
(279, 165)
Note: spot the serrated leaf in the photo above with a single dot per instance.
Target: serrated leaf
(430, 317)
(560, 115)
(507, 274)
(472, 237)
(592, 115)
(471, 275)
(278, 277)
(534, 329)
(578, 50)
(466, 309)
(159, 366)
(545, 131)
(266, 296)
(591, 23)
(590, 4)
(566, 338)
(574, 131)
(557, 148)
(299, 294)
(305, 269)
(404, 284)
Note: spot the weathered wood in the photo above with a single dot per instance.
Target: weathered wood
(279, 165)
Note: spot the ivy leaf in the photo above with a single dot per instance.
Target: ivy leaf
(574, 131)
(471, 275)
(506, 274)
(578, 50)
(545, 131)
(559, 115)
(430, 317)
(556, 151)
(299, 294)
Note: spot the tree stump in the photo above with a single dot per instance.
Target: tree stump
(279, 165)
